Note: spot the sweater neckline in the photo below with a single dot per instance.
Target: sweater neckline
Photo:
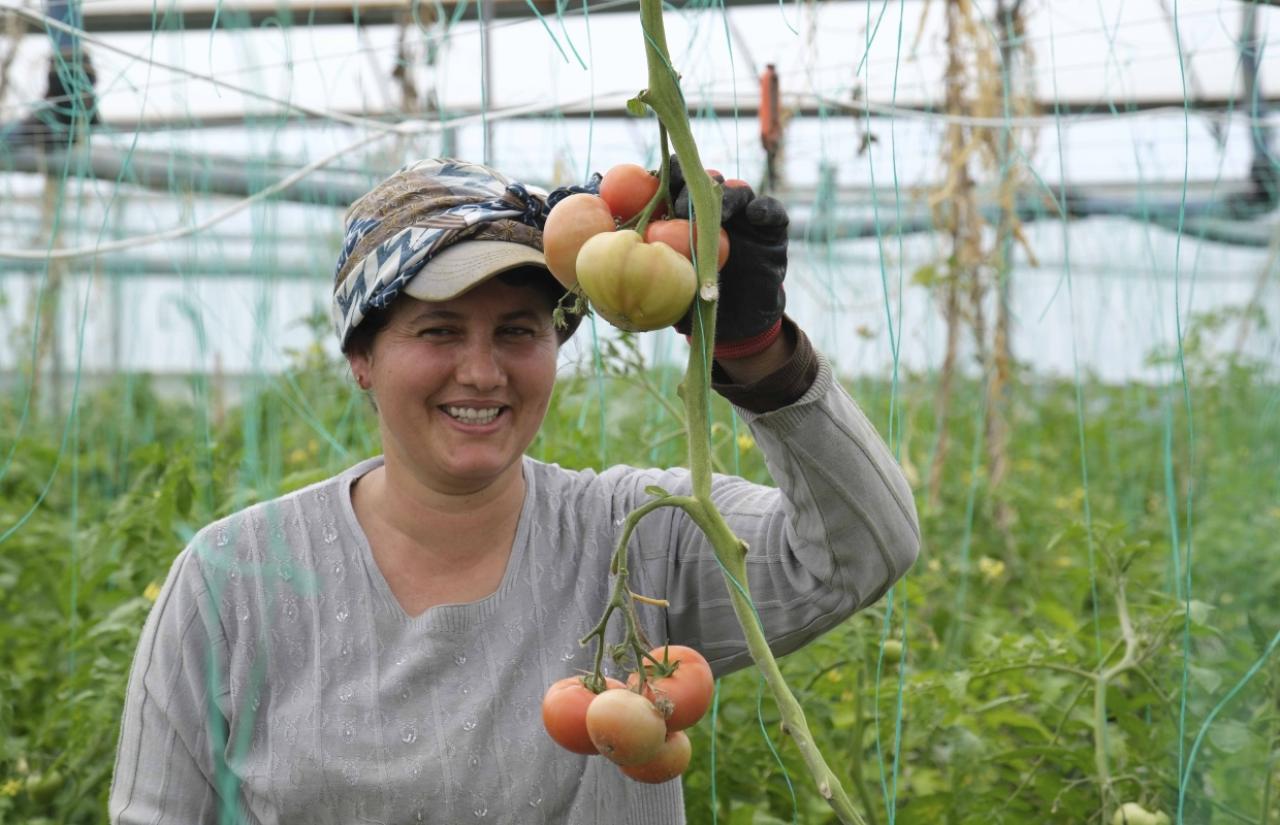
(450, 616)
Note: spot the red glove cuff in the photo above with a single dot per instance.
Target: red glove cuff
(728, 350)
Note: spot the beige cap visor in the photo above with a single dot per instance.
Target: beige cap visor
(457, 268)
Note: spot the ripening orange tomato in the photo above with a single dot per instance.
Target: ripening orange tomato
(625, 727)
(670, 761)
(627, 188)
(675, 234)
(564, 713)
(685, 693)
(569, 225)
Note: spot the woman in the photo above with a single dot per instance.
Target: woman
(374, 648)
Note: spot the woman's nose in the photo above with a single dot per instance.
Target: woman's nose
(479, 367)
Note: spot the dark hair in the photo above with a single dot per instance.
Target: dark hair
(540, 280)
(360, 341)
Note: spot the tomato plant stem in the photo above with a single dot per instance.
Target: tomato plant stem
(646, 600)
(855, 747)
(663, 194)
(621, 597)
(665, 99)
(1127, 662)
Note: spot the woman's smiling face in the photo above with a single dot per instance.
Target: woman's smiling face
(462, 385)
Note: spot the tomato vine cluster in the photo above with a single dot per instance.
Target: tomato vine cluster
(638, 725)
(633, 264)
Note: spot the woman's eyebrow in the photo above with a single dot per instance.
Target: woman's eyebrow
(453, 315)
(442, 314)
(519, 314)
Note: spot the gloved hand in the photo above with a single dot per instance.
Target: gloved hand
(749, 315)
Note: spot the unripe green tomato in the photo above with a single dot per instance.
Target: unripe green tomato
(1131, 813)
(43, 787)
(635, 286)
(892, 651)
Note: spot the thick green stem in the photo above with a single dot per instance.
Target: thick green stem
(1104, 679)
(855, 748)
(732, 553)
(664, 97)
(1266, 783)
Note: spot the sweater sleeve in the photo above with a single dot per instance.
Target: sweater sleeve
(173, 728)
(834, 535)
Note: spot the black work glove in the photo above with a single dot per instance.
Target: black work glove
(749, 315)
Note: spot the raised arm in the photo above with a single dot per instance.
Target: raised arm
(834, 535)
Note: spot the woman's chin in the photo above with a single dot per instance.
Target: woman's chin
(473, 470)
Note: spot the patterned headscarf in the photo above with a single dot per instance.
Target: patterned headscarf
(395, 229)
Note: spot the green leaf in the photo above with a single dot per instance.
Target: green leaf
(1009, 718)
(636, 107)
(1229, 736)
(183, 494)
(926, 276)
(924, 781)
(1059, 615)
(957, 684)
(656, 491)
(1208, 679)
(1261, 638)
(1199, 612)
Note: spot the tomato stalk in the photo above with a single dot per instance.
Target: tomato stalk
(663, 194)
(622, 599)
(664, 97)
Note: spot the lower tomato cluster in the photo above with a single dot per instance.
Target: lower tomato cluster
(639, 725)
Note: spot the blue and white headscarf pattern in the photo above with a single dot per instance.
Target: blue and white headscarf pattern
(401, 223)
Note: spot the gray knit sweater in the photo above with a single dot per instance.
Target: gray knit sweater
(278, 680)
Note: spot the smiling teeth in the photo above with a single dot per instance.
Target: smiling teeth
(473, 416)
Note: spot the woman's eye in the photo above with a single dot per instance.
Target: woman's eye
(435, 332)
(519, 332)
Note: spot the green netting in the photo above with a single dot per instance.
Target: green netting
(1037, 241)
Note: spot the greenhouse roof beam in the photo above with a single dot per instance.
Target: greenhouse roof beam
(170, 175)
(165, 173)
(1225, 219)
(252, 14)
(1044, 110)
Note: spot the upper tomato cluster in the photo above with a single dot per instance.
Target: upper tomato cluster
(637, 284)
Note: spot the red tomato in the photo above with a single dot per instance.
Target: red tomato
(564, 713)
(675, 234)
(625, 727)
(685, 694)
(627, 188)
(671, 760)
(569, 225)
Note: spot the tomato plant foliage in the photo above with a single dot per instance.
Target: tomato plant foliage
(96, 505)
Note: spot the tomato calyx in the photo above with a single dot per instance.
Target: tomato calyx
(660, 668)
(678, 680)
(595, 682)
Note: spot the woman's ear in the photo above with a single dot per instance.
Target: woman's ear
(361, 366)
